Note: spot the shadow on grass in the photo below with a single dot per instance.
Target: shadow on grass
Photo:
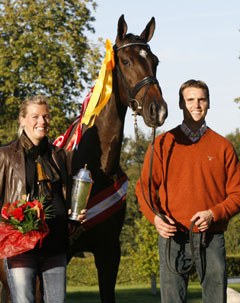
(131, 294)
(139, 294)
(83, 297)
(126, 295)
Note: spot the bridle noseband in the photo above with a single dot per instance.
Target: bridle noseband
(147, 81)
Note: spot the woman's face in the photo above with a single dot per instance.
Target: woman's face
(36, 122)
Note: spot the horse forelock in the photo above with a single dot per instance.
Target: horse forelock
(134, 38)
(129, 40)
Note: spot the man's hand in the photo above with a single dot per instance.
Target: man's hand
(203, 219)
(166, 230)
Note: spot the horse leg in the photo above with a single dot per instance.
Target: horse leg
(103, 241)
(107, 254)
(107, 262)
(5, 292)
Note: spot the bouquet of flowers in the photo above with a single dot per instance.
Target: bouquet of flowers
(24, 225)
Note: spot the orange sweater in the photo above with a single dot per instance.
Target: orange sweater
(190, 177)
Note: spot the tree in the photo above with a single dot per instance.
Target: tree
(235, 139)
(139, 237)
(232, 237)
(146, 255)
(132, 155)
(232, 233)
(44, 50)
(237, 100)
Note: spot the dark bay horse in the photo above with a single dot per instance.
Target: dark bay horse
(134, 85)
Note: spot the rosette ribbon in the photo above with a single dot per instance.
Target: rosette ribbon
(93, 103)
(102, 88)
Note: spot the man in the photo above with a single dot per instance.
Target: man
(195, 190)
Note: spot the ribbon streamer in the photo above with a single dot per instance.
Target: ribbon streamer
(102, 89)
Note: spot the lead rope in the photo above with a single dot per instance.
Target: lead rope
(150, 204)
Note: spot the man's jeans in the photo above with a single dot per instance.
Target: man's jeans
(22, 283)
(210, 264)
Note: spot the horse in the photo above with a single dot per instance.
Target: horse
(134, 85)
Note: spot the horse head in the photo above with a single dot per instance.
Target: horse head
(136, 67)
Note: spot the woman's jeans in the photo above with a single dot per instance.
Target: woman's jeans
(22, 281)
(209, 261)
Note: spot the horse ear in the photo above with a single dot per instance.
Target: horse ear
(148, 32)
(122, 29)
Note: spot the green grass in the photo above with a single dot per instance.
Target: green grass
(130, 294)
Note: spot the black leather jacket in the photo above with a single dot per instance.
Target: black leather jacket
(12, 171)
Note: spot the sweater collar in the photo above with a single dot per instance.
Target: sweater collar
(193, 136)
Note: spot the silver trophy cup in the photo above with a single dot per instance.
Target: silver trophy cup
(81, 189)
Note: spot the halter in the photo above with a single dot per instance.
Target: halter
(145, 81)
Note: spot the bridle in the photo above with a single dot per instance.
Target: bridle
(146, 81)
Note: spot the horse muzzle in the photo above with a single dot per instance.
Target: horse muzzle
(155, 114)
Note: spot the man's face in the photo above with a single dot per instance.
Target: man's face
(195, 106)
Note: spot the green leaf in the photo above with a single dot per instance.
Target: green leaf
(44, 50)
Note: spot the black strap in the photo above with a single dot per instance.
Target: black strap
(142, 83)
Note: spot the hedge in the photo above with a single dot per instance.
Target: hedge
(82, 271)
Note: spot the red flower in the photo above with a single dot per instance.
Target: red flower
(4, 212)
(26, 216)
(18, 214)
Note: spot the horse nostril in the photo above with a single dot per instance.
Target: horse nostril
(153, 111)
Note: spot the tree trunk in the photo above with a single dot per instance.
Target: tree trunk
(153, 284)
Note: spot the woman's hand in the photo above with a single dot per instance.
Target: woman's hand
(81, 217)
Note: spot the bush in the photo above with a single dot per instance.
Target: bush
(233, 266)
(82, 271)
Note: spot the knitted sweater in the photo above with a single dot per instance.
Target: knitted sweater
(190, 177)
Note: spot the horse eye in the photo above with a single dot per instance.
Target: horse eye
(125, 62)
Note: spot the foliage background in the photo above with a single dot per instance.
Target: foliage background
(44, 50)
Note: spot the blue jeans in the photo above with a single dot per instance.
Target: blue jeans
(22, 281)
(210, 263)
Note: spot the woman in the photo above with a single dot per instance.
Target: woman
(32, 166)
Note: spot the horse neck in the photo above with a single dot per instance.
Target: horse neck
(110, 126)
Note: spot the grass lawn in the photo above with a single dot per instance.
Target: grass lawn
(130, 294)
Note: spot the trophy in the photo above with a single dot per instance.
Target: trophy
(82, 185)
